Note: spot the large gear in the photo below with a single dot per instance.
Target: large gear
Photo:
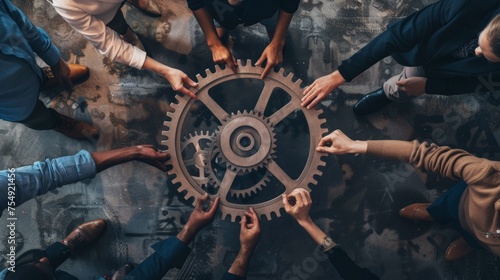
(265, 159)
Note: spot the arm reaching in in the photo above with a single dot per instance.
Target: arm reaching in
(146, 153)
(297, 204)
(320, 88)
(273, 53)
(220, 53)
(177, 79)
(249, 237)
(198, 219)
(338, 143)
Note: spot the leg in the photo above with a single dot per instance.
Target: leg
(120, 26)
(391, 89)
(118, 23)
(375, 101)
(42, 118)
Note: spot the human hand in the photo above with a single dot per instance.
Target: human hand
(249, 230)
(61, 73)
(273, 53)
(151, 155)
(221, 54)
(297, 205)
(200, 218)
(178, 80)
(414, 86)
(320, 88)
(338, 143)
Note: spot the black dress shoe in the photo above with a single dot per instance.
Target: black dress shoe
(371, 103)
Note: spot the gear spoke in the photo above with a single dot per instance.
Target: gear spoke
(217, 110)
(281, 175)
(265, 94)
(282, 113)
(226, 183)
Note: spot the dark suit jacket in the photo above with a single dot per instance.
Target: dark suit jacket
(427, 38)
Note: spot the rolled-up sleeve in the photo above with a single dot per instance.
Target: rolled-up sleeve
(37, 38)
(43, 176)
(169, 253)
(105, 40)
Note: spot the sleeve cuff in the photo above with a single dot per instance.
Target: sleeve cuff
(230, 276)
(138, 58)
(172, 247)
(51, 56)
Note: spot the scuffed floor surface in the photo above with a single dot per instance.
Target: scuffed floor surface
(356, 201)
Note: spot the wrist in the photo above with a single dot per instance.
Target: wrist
(187, 234)
(306, 222)
(214, 42)
(359, 147)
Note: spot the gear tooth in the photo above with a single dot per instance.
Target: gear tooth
(281, 72)
(165, 133)
(224, 215)
(233, 218)
(199, 78)
(298, 82)
(249, 62)
(208, 72)
(217, 68)
(268, 216)
(277, 213)
(164, 143)
(170, 115)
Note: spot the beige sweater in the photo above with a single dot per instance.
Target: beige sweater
(479, 209)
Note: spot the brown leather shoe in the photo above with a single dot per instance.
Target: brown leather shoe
(78, 74)
(84, 234)
(77, 129)
(457, 250)
(416, 212)
(122, 272)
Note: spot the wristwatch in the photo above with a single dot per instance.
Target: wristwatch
(327, 244)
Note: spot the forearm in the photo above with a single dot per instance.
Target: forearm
(206, 23)
(240, 264)
(155, 66)
(282, 25)
(187, 234)
(107, 159)
(393, 149)
(314, 231)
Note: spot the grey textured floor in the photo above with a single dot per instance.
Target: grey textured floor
(356, 200)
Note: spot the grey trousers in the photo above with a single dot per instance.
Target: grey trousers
(391, 89)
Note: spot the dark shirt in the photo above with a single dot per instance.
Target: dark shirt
(247, 12)
(427, 38)
(346, 267)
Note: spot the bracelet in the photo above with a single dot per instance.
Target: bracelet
(327, 244)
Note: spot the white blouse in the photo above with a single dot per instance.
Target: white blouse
(89, 18)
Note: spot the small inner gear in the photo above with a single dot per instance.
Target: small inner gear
(195, 158)
(216, 167)
(243, 155)
(246, 141)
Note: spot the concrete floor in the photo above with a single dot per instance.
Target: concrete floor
(356, 199)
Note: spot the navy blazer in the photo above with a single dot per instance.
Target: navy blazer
(427, 38)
